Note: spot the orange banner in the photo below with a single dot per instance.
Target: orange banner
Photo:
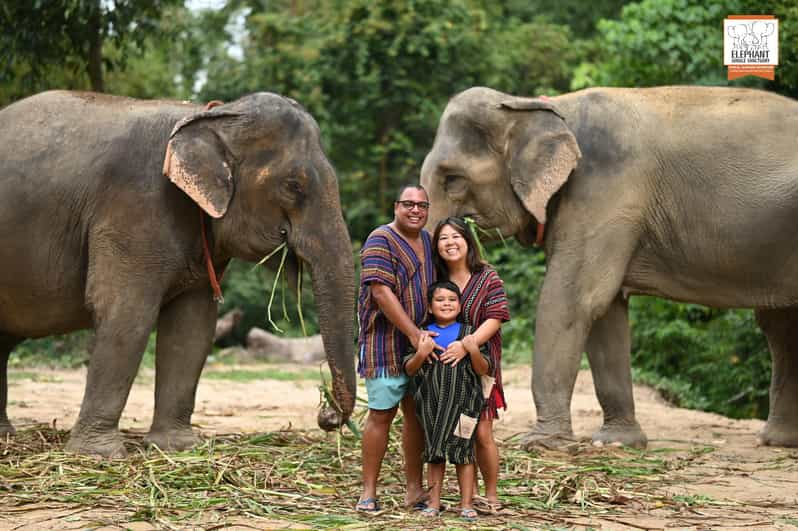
(768, 72)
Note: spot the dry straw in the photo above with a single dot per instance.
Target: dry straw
(313, 478)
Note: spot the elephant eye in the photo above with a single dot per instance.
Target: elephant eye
(292, 190)
(455, 186)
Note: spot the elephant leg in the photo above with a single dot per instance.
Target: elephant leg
(124, 317)
(608, 349)
(7, 344)
(584, 276)
(779, 328)
(185, 337)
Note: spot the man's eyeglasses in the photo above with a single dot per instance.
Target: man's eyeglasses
(422, 205)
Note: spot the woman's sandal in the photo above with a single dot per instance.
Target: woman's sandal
(485, 506)
(430, 512)
(468, 514)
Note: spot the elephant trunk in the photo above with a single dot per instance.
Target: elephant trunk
(333, 275)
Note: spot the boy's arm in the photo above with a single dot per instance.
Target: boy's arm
(414, 362)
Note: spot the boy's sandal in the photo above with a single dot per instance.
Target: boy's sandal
(468, 514)
(430, 512)
(369, 505)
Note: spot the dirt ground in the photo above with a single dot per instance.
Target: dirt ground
(752, 487)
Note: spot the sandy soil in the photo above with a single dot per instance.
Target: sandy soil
(754, 487)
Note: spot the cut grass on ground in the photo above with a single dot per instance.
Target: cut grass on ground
(314, 478)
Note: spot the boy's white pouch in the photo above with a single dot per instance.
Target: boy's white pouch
(465, 426)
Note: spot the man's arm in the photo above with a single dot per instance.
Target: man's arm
(392, 309)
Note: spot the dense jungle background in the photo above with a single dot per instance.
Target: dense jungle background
(377, 75)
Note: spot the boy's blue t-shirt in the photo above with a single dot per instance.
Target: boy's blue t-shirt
(446, 334)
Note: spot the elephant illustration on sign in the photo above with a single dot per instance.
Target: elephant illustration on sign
(96, 236)
(687, 193)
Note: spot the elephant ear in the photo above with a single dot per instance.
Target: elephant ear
(197, 160)
(541, 153)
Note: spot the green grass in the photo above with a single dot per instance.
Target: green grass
(249, 375)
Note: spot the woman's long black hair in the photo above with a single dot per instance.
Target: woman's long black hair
(474, 260)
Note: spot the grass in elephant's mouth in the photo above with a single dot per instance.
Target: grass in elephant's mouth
(310, 477)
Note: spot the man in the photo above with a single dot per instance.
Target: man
(396, 271)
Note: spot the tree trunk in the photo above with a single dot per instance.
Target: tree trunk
(94, 64)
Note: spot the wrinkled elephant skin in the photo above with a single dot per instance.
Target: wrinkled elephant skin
(687, 193)
(104, 200)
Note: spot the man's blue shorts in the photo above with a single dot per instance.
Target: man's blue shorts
(385, 392)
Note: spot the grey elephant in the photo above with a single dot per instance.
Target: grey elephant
(685, 193)
(95, 235)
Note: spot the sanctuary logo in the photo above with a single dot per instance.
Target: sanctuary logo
(751, 45)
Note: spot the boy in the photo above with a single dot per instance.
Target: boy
(448, 398)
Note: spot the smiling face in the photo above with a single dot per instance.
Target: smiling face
(452, 246)
(410, 211)
(444, 306)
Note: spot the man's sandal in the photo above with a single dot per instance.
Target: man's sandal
(468, 514)
(369, 505)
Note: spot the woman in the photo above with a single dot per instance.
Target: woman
(484, 308)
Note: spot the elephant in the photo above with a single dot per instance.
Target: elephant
(686, 193)
(118, 214)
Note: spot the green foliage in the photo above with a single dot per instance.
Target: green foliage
(162, 64)
(582, 17)
(702, 358)
(522, 272)
(249, 289)
(65, 351)
(661, 42)
(38, 34)
(531, 58)
(244, 375)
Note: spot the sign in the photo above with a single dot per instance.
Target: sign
(751, 45)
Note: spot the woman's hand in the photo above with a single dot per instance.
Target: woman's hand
(471, 345)
(454, 353)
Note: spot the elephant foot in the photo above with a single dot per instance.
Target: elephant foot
(779, 434)
(105, 444)
(329, 419)
(172, 440)
(626, 434)
(6, 428)
(541, 437)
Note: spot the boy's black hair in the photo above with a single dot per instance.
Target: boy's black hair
(442, 284)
